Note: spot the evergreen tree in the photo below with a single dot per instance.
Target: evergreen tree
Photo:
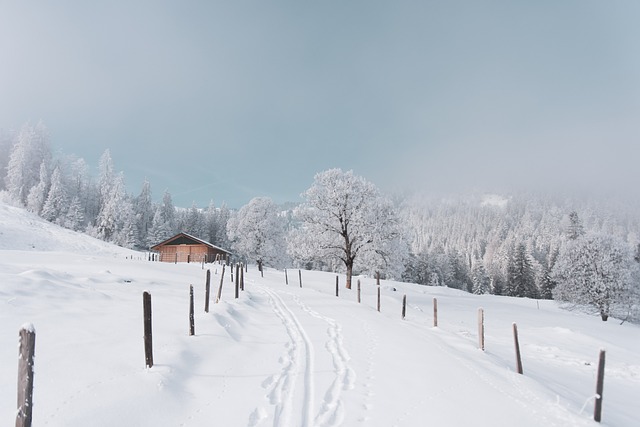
(74, 219)
(194, 222)
(126, 234)
(575, 228)
(7, 140)
(27, 155)
(144, 211)
(520, 277)
(163, 224)
(481, 282)
(112, 214)
(38, 193)
(55, 207)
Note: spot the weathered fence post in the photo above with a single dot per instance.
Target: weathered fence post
(237, 281)
(517, 345)
(176, 258)
(481, 328)
(336, 285)
(378, 278)
(435, 312)
(220, 287)
(192, 325)
(300, 277)
(207, 291)
(148, 338)
(26, 349)
(597, 412)
(286, 277)
(241, 278)
(378, 298)
(404, 306)
(358, 291)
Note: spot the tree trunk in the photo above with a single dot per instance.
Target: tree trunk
(604, 316)
(349, 273)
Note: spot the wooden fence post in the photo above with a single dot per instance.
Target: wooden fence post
(597, 412)
(481, 328)
(26, 349)
(148, 336)
(378, 298)
(300, 277)
(286, 277)
(336, 285)
(404, 306)
(207, 291)
(192, 325)
(517, 345)
(378, 278)
(237, 281)
(435, 312)
(241, 278)
(220, 287)
(358, 291)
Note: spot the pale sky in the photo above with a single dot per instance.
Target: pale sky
(229, 100)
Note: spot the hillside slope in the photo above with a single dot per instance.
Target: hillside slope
(285, 355)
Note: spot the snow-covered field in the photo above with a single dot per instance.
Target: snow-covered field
(282, 355)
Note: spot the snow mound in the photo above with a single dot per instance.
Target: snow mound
(21, 230)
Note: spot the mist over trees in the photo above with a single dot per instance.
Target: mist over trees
(582, 252)
(62, 191)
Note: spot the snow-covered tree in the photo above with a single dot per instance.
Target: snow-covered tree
(193, 222)
(38, 193)
(7, 140)
(126, 234)
(56, 205)
(144, 211)
(595, 271)
(481, 281)
(81, 186)
(520, 276)
(163, 225)
(257, 233)
(27, 155)
(111, 218)
(106, 178)
(345, 217)
(74, 219)
(575, 228)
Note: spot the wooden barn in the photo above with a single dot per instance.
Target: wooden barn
(184, 247)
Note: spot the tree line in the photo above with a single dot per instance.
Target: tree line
(582, 252)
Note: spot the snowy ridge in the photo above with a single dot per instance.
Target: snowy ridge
(23, 231)
(281, 355)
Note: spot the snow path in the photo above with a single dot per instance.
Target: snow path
(332, 412)
(282, 392)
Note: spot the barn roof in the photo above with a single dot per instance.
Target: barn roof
(189, 237)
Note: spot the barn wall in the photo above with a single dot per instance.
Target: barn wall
(189, 253)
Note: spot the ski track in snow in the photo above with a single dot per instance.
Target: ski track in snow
(332, 412)
(299, 357)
